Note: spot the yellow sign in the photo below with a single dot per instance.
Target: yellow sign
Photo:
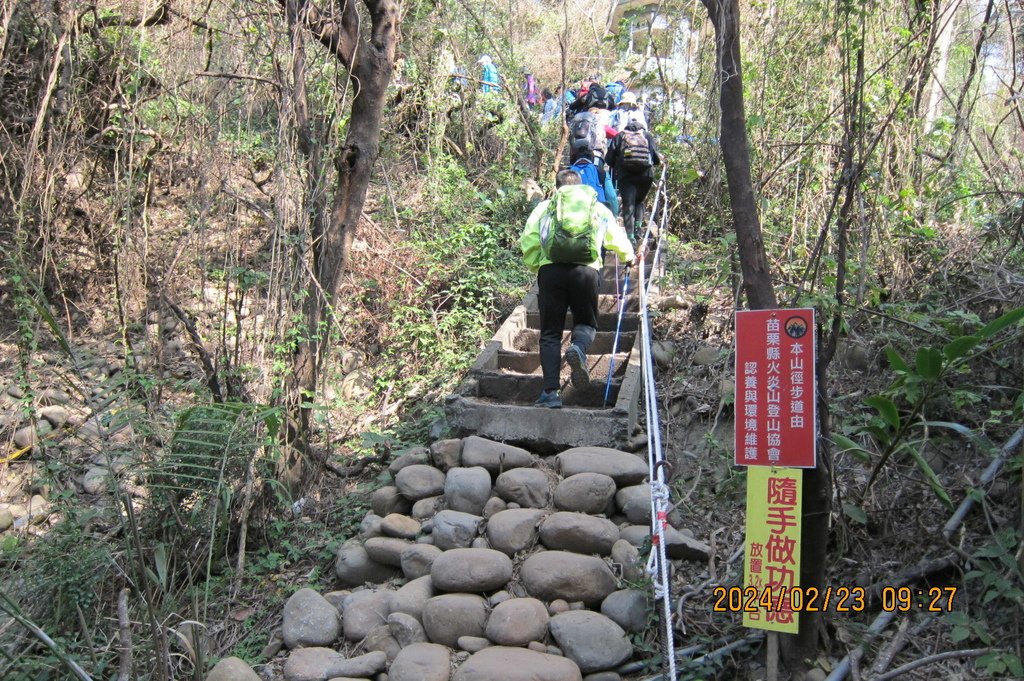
(772, 597)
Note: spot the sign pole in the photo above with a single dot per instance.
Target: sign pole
(773, 656)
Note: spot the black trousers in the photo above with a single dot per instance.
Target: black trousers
(634, 189)
(564, 287)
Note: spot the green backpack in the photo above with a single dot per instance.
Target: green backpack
(567, 232)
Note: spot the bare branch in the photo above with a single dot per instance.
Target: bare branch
(931, 659)
(340, 38)
(124, 637)
(238, 76)
(197, 342)
(160, 15)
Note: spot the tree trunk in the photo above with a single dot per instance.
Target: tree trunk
(946, 28)
(757, 281)
(369, 60)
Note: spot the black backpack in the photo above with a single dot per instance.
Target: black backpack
(583, 133)
(597, 96)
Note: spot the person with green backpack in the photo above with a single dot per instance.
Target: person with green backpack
(562, 243)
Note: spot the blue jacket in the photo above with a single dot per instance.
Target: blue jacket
(490, 79)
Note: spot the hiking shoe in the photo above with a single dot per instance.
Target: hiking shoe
(577, 362)
(550, 400)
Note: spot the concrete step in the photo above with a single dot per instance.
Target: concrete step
(524, 389)
(610, 285)
(611, 258)
(606, 321)
(607, 313)
(609, 302)
(528, 340)
(512, 362)
(496, 398)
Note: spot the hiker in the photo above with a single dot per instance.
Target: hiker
(588, 138)
(570, 96)
(592, 95)
(591, 175)
(530, 91)
(633, 156)
(587, 135)
(562, 243)
(457, 78)
(627, 110)
(615, 91)
(552, 106)
(489, 77)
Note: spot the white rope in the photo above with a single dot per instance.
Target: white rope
(657, 251)
(658, 566)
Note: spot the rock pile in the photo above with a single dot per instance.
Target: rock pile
(102, 449)
(490, 562)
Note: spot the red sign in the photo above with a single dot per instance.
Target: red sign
(775, 406)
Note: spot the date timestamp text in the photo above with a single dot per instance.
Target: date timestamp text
(837, 599)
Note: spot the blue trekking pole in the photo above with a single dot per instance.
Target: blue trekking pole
(618, 328)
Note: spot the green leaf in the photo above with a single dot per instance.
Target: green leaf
(160, 558)
(933, 480)
(929, 363)
(980, 442)
(991, 550)
(959, 347)
(895, 361)
(152, 576)
(997, 325)
(273, 422)
(957, 618)
(43, 308)
(855, 512)
(886, 409)
(883, 435)
(993, 663)
(845, 444)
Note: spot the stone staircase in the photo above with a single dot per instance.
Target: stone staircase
(483, 561)
(486, 561)
(496, 398)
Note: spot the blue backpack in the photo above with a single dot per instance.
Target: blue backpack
(591, 176)
(615, 91)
